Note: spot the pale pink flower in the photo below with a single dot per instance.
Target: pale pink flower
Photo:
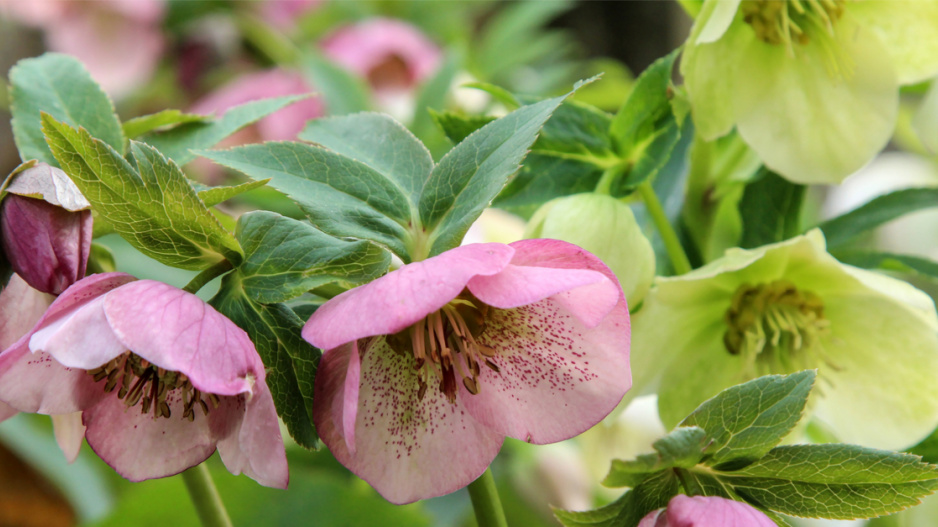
(427, 369)
(20, 308)
(284, 13)
(706, 511)
(282, 125)
(119, 41)
(394, 56)
(159, 376)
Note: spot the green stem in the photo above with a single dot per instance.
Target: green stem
(207, 276)
(271, 43)
(610, 175)
(671, 242)
(205, 497)
(485, 501)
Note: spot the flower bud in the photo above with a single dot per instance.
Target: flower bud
(605, 227)
(45, 229)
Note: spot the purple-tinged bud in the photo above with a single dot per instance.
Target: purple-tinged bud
(45, 229)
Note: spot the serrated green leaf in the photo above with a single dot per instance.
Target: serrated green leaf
(770, 209)
(652, 494)
(284, 258)
(745, 421)
(60, 86)
(458, 126)
(683, 448)
(902, 263)
(645, 130)
(468, 177)
(834, 481)
(876, 212)
(153, 206)
(138, 126)
(179, 142)
(497, 92)
(341, 196)
(342, 92)
(290, 362)
(214, 195)
(601, 517)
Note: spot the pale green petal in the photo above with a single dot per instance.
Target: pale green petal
(807, 125)
(925, 122)
(714, 19)
(710, 74)
(908, 29)
(907, 297)
(884, 394)
(607, 228)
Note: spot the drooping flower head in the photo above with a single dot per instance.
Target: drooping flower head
(394, 56)
(812, 86)
(787, 307)
(161, 379)
(45, 228)
(706, 511)
(428, 368)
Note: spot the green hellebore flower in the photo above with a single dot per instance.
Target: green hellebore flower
(605, 227)
(811, 85)
(787, 307)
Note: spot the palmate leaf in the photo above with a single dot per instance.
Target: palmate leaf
(683, 447)
(876, 212)
(165, 119)
(151, 205)
(60, 86)
(369, 178)
(290, 361)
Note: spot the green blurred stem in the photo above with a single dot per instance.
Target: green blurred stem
(207, 276)
(205, 497)
(610, 176)
(671, 242)
(271, 43)
(485, 501)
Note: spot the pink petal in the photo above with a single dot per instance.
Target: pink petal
(654, 518)
(255, 446)
(712, 511)
(140, 447)
(557, 377)
(407, 449)
(402, 297)
(177, 331)
(6, 411)
(587, 294)
(340, 373)
(69, 433)
(81, 338)
(21, 307)
(366, 45)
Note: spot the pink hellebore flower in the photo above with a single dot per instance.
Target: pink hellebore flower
(20, 308)
(393, 55)
(45, 229)
(706, 511)
(284, 13)
(427, 369)
(119, 41)
(159, 376)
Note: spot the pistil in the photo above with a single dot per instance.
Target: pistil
(139, 382)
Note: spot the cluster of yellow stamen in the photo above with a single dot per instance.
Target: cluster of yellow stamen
(139, 382)
(776, 327)
(785, 22)
(446, 344)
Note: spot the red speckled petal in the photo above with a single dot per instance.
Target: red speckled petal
(558, 377)
(140, 447)
(402, 297)
(406, 449)
(37, 383)
(178, 331)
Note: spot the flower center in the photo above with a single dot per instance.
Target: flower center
(143, 383)
(776, 327)
(787, 21)
(445, 346)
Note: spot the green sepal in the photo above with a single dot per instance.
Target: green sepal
(901, 263)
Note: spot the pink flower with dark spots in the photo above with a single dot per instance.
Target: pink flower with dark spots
(706, 511)
(161, 380)
(427, 369)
